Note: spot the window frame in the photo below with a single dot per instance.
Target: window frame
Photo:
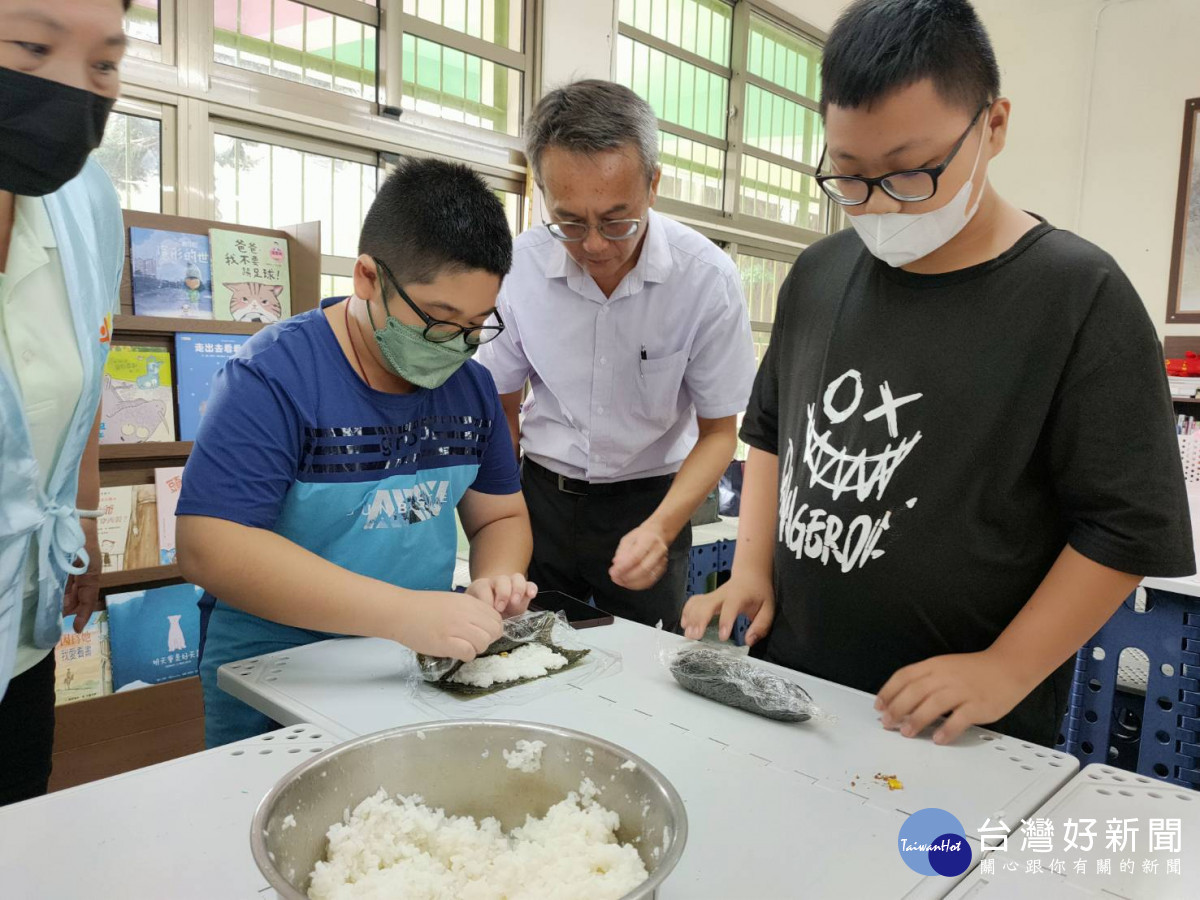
(391, 63)
(149, 105)
(728, 224)
(331, 264)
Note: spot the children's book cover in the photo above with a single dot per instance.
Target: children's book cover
(136, 403)
(252, 282)
(114, 525)
(82, 667)
(155, 635)
(171, 274)
(141, 550)
(198, 357)
(167, 485)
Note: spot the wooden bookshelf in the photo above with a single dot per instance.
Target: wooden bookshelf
(166, 327)
(155, 576)
(146, 452)
(113, 734)
(120, 732)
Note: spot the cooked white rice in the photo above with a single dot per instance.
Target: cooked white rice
(527, 756)
(527, 661)
(403, 850)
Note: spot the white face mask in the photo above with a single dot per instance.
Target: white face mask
(902, 238)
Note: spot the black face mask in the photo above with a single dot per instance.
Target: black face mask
(47, 130)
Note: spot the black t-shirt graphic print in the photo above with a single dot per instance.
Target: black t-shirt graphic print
(941, 438)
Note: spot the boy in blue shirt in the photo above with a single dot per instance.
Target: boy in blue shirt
(319, 498)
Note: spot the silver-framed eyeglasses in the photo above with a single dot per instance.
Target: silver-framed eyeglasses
(610, 230)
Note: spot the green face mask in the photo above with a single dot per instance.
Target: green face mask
(418, 361)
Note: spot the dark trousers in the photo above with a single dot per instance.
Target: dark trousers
(575, 538)
(27, 733)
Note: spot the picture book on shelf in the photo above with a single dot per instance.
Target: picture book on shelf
(251, 279)
(167, 484)
(171, 274)
(113, 526)
(198, 357)
(154, 635)
(82, 667)
(136, 402)
(141, 548)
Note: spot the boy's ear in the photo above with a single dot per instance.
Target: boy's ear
(998, 119)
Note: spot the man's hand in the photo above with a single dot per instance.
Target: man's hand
(967, 688)
(641, 558)
(83, 591)
(738, 596)
(509, 595)
(443, 623)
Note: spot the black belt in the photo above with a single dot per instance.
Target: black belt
(591, 489)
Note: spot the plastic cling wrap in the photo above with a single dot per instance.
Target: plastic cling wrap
(737, 681)
(545, 628)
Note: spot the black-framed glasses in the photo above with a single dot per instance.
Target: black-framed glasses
(437, 331)
(611, 230)
(907, 186)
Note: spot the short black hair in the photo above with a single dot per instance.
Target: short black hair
(433, 217)
(127, 3)
(880, 46)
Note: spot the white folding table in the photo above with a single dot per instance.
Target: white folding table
(1024, 870)
(775, 809)
(178, 830)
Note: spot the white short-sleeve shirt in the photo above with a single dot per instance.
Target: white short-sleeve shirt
(616, 383)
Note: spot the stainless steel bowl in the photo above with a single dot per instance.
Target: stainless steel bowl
(460, 767)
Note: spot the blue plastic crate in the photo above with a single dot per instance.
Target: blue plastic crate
(1158, 734)
(704, 562)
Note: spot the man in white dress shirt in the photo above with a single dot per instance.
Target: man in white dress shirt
(632, 333)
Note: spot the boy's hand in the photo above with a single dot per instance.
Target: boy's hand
(509, 595)
(641, 558)
(966, 688)
(441, 623)
(752, 597)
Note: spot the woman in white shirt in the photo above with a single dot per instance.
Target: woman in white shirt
(61, 252)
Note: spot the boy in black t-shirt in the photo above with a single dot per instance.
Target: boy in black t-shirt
(962, 457)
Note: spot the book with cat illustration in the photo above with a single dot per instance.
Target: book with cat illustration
(154, 634)
(198, 357)
(82, 664)
(251, 279)
(170, 273)
(136, 402)
(167, 485)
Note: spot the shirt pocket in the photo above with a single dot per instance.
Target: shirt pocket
(657, 387)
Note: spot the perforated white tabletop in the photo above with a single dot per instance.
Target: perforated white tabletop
(178, 830)
(803, 799)
(1102, 795)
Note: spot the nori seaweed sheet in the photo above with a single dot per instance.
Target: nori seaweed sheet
(505, 644)
(737, 682)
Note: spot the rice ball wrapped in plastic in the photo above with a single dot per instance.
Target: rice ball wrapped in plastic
(737, 681)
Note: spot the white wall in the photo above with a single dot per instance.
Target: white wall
(577, 40)
(1098, 88)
